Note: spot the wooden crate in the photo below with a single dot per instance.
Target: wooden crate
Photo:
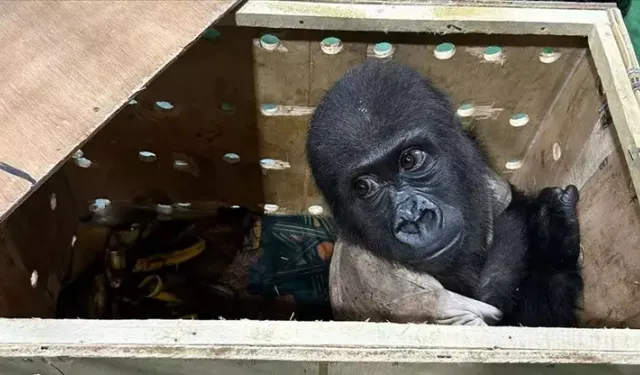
(77, 76)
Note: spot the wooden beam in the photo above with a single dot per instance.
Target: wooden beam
(607, 54)
(462, 17)
(315, 341)
(68, 66)
(487, 3)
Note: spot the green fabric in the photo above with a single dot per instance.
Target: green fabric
(632, 20)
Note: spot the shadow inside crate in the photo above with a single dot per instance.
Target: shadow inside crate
(172, 195)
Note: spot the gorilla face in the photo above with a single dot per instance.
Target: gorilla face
(411, 217)
(399, 173)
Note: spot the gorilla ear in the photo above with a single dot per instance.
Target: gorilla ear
(500, 192)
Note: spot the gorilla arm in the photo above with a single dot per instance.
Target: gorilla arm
(363, 286)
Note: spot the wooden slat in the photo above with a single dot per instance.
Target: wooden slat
(179, 366)
(461, 18)
(315, 341)
(282, 78)
(623, 104)
(488, 3)
(68, 66)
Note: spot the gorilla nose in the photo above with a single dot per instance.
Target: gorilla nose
(413, 212)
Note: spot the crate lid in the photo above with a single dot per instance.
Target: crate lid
(68, 67)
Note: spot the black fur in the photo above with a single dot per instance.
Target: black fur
(361, 131)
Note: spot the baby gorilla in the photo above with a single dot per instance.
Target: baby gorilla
(406, 182)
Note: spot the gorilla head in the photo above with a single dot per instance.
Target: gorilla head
(399, 173)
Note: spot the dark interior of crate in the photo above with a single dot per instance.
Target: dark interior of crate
(224, 127)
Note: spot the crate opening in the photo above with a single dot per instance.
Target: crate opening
(212, 212)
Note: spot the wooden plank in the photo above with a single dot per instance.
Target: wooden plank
(461, 18)
(282, 138)
(315, 341)
(69, 66)
(475, 369)
(123, 366)
(282, 79)
(609, 220)
(167, 366)
(487, 3)
(622, 101)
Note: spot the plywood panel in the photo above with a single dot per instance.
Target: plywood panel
(609, 220)
(316, 342)
(211, 89)
(282, 76)
(71, 65)
(282, 79)
(295, 76)
(505, 85)
(564, 130)
(327, 69)
(36, 245)
(283, 138)
(520, 84)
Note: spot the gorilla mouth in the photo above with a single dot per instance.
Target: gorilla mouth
(429, 241)
(408, 227)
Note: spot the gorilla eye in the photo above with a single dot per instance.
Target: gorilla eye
(363, 187)
(411, 159)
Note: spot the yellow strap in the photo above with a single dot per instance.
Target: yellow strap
(160, 260)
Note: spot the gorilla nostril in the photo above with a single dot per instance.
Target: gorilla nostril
(431, 217)
(427, 216)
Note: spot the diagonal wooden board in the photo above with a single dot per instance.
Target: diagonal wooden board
(67, 67)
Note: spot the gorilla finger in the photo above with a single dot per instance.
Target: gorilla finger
(571, 195)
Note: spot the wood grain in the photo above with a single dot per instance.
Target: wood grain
(438, 18)
(560, 98)
(235, 70)
(623, 103)
(198, 85)
(494, 3)
(71, 66)
(506, 86)
(316, 341)
(609, 220)
(568, 122)
(37, 237)
(177, 366)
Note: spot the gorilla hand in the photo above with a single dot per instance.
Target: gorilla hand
(555, 217)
